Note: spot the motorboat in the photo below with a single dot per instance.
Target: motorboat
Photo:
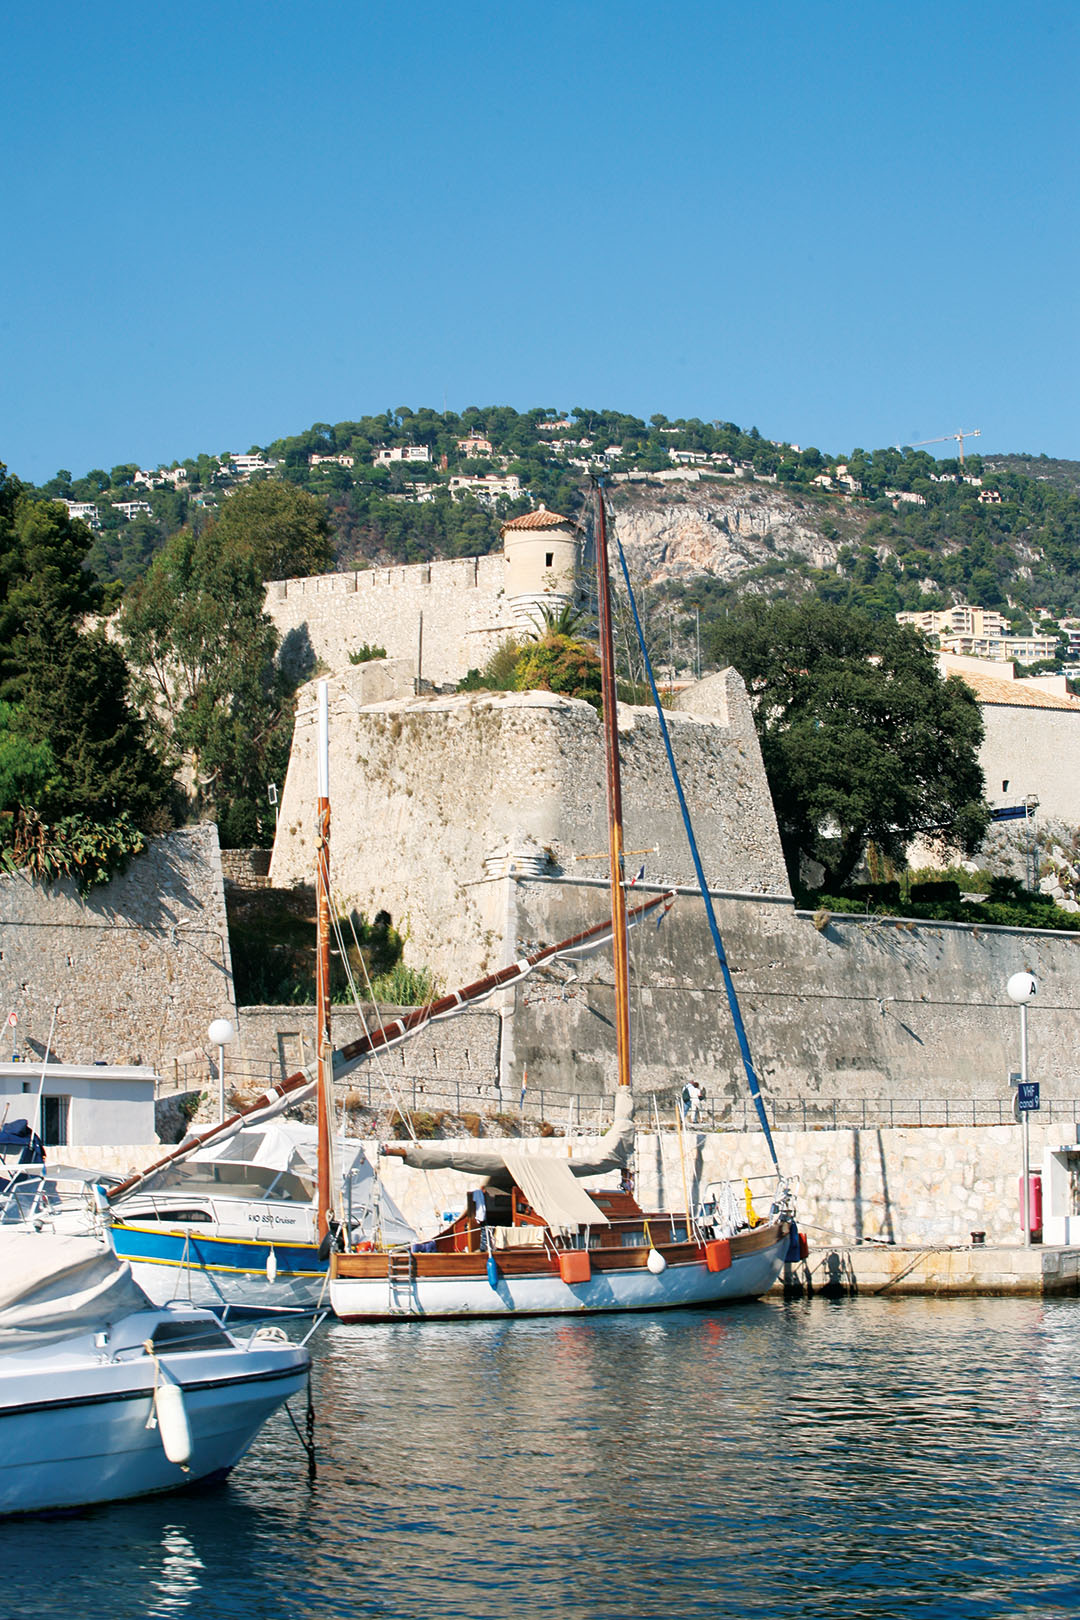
(104, 1396)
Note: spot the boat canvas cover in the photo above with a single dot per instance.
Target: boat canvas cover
(292, 1148)
(554, 1193)
(614, 1151)
(58, 1287)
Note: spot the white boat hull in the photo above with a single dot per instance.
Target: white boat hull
(76, 1435)
(543, 1293)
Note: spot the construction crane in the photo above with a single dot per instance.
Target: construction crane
(972, 433)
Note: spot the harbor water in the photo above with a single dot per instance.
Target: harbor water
(863, 1457)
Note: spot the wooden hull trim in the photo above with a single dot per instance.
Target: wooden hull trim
(365, 1288)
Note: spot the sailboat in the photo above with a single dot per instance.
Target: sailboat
(238, 1216)
(533, 1239)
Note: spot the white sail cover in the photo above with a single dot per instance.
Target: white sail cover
(555, 1195)
(614, 1150)
(57, 1287)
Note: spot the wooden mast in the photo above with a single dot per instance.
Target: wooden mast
(324, 1052)
(614, 798)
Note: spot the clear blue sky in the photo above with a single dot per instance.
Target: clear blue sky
(845, 224)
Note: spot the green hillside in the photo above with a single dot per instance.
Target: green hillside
(1003, 531)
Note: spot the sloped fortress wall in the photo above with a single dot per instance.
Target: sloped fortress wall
(135, 972)
(436, 800)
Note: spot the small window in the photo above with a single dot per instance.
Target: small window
(54, 1121)
(549, 558)
(202, 1334)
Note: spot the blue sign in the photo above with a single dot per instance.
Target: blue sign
(1010, 812)
(1027, 1096)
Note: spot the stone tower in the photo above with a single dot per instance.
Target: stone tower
(543, 552)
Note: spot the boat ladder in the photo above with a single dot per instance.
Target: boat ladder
(401, 1274)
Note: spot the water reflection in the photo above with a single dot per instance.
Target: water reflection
(861, 1458)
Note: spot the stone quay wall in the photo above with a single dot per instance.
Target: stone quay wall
(918, 1187)
(135, 972)
(461, 601)
(437, 800)
(926, 1187)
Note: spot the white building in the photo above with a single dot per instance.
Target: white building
(85, 511)
(162, 476)
(82, 1104)
(131, 509)
(1031, 741)
(907, 495)
(245, 466)
(337, 461)
(488, 488)
(1002, 649)
(960, 620)
(401, 452)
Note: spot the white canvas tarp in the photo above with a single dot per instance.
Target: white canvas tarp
(553, 1192)
(55, 1287)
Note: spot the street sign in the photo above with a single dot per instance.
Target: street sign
(1027, 1098)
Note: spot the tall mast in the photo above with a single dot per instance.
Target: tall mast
(324, 1052)
(614, 798)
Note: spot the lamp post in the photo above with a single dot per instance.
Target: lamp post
(1022, 988)
(221, 1033)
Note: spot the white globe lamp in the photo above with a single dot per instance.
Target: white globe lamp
(1022, 988)
(221, 1034)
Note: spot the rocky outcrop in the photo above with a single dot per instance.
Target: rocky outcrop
(726, 529)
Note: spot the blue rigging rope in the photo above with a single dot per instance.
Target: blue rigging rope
(729, 984)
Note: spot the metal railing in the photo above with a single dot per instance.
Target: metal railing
(581, 1113)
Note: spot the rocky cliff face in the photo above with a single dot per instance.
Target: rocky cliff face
(726, 529)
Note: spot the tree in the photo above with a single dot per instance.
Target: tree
(862, 739)
(558, 663)
(282, 528)
(77, 773)
(42, 553)
(195, 629)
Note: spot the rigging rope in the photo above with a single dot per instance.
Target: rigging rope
(710, 913)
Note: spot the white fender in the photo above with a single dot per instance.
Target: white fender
(271, 1268)
(656, 1262)
(172, 1423)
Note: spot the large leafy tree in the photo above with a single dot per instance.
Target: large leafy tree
(79, 779)
(862, 739)
(70, 683)
(194, 628)
(284, 530)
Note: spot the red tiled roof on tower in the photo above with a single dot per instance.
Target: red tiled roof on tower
(540, 519)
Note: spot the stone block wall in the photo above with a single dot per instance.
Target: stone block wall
(135, 972)
(461, 602)
(876, 1008)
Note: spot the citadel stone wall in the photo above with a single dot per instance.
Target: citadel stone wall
(861, 1007)
(135, 972)
(435, 800)
(443, 618)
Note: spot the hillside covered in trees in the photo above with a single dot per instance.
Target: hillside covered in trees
(906, 530)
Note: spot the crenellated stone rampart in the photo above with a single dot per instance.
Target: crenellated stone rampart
(443, 618)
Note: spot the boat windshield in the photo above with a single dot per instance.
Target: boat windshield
(224, 1178)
